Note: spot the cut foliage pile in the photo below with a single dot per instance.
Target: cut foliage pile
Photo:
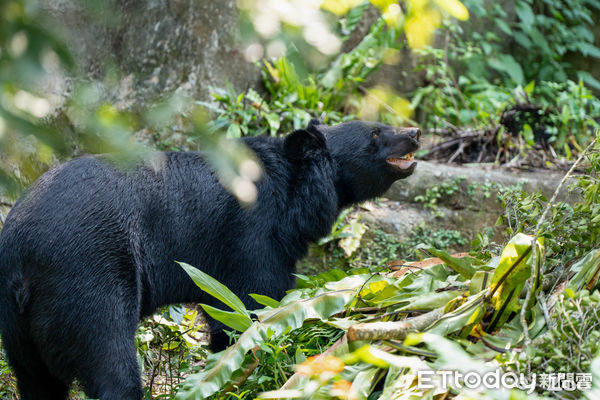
(483, 312)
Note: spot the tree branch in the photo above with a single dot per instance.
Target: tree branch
(393, 330)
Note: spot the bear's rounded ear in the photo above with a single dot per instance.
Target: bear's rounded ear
(299, 143)
(313, 123)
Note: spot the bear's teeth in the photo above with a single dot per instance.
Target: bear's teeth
(408, 157)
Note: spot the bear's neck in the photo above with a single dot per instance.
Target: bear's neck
(306, 204)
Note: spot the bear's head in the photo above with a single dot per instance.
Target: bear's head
(370, 156)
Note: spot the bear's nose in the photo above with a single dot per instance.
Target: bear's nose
(414, 133)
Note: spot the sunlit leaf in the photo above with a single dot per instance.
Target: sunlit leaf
(514, 268)
(215, 288)
(237, 321)
(462, 266)
(265, 300)
(470, 313)
(586, 271)
(454, 8)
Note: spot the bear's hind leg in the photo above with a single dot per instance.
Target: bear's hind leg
(114, 375)
(35, 382)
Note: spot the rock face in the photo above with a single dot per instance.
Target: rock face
(158, 46)
(461, 198)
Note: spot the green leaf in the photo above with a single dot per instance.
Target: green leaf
(215, 288)
(585, 270)
(525, 13)
(318, 307)
(28, 125)
(451, 354)
(540, 40)
(503, 26)
(528, 134)
(513, 269)
(233, 131)
(353, 17)
(234, 320)
(274, 322)
(529, 88)
(506, 63)
(479, 281)
(461, 266)
(594, 392)
(274, 123)
(382, 359)
(431, 300)
(589, 79)
(210, 381)
(264, 300)
(511, 334)
(361, 384)
(588, 50)
(470, 313)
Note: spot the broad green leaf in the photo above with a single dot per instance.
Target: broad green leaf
(237, 321)
(233, 131)
(480, 281)
(361, 384)
(525, 13)
(503, 26)
(589, 50)
(589, 79)
(44, 134)
(318, 307)
(372, 288)
(211, 380)
(431, 300)
(264, 300)
(461, 266)
(470, 313)
(529, 88)
(506, 63)
(511, 335)
(514, 268)
(594, 392)
(215, 288)
(451, 354)
(586, 270)
(539, 40)
(342, 323)
(272, 324)
(528, 134)
(274, 123)
(351, 282)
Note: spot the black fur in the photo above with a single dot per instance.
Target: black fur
(89, 249)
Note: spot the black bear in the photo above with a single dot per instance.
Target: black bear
(89, 249)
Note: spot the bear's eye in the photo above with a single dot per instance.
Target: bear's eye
(376, 133)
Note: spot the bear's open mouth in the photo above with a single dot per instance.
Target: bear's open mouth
(403, 162)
